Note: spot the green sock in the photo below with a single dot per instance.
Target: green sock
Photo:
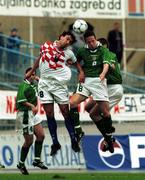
(24, 152)
(75, 116)
(38, 149)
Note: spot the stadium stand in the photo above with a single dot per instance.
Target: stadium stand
(9, 80)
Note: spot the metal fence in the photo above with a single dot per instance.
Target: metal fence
(12, 71)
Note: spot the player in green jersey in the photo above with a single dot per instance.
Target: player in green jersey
(115, 89)
(114, 84)
(29, 122)
(96, 62)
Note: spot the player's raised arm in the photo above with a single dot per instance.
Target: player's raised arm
(34, 67)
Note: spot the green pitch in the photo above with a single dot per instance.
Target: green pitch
(75, 176)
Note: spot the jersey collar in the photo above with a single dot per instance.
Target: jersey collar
(26, 81)
(98, 44)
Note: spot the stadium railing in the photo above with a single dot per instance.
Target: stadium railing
(11, 77)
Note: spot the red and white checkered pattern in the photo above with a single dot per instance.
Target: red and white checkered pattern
(49, 52)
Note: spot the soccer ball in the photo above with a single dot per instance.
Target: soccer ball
(80, 26)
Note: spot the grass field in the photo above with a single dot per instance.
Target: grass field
(75, 176)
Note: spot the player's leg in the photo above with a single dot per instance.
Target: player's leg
(24, 152)
(74, 101)
(69, 123)
(47, 99)
(90, 104)
(28, 130)
(105, 113)
(81, 94)
(89, 108)
(52, 126)
(39, 133)
(115, 93)
(100, 95)
(107, 121)
(95, 116)
(93, 110)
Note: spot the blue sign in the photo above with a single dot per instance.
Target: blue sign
(123, 158)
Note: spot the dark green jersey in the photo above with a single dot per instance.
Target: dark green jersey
(114, 75)
(26, 93)
(93, 60)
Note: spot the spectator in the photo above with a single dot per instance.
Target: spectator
(115, 41)
(1, 45)
(13, 43)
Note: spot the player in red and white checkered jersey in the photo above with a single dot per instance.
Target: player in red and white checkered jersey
(54, 75)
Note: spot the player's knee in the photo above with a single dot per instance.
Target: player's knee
(40, 138)
(90, 105)
(106, 114)
(66, 114)
(28, 143)
(49, 116)
(73, 104)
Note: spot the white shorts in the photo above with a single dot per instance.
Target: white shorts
(52, 90)
(94, 87)
(25, 122)
(115, 92)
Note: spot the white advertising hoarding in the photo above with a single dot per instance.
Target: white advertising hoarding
(66, 158)
(131, 108)
(64, 8)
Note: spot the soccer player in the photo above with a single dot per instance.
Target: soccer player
(96, 64)
(52, 87)
(114, 84)
(26, 103)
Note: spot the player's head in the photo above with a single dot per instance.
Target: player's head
(103, 42)
(66, 38)
(90, 39)
(32, 77)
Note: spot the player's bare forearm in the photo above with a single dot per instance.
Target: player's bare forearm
(34, 108)
(81, 72)
(34, 67)
(104, 72)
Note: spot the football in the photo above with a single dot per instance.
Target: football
(80, 26)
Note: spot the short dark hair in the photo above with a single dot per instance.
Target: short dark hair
(70, 34)
(88, 34)
(14, 30)
(103, 41)
(28, 69)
